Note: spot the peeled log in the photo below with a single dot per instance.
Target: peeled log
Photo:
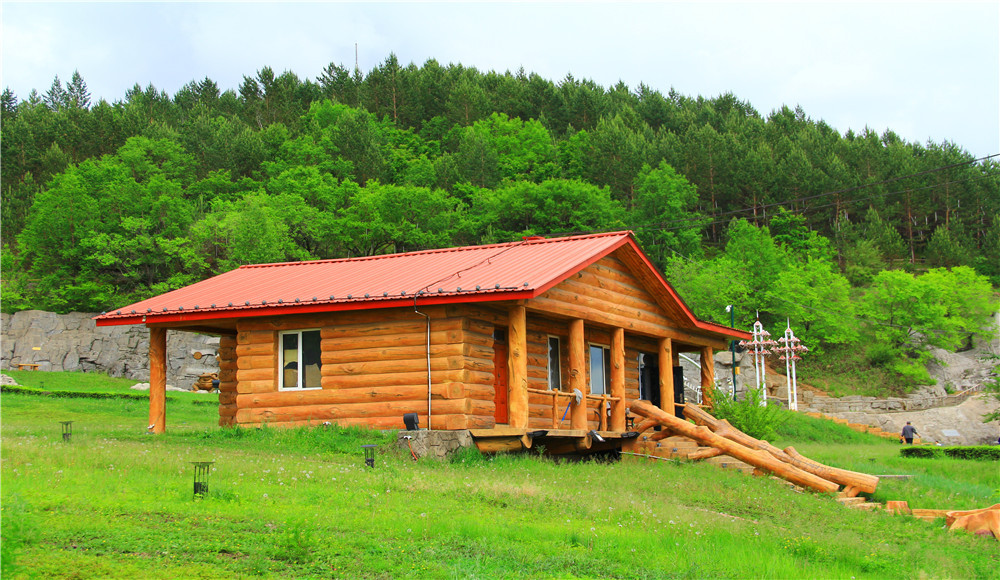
(760, 459)
(851, 479)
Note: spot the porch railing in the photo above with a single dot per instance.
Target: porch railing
(562, 399)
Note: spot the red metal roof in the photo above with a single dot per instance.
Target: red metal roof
(509, 271)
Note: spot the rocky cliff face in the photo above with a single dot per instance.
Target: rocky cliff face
(73, 342)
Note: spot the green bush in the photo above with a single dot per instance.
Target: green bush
(974, 452)
(921, 452)
(978, 452)
(749, 415)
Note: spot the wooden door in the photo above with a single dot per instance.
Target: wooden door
(500, 381)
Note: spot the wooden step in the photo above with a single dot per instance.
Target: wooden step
(851, 500)
(868, 506)
(929, 514)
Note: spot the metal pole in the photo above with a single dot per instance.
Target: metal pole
(732, 344)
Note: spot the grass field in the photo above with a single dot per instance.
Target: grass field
(117, 503)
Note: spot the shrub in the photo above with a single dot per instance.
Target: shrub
(749, 415)
(976, 452)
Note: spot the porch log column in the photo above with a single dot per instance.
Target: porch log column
(665, 349)
(707, 375)
(618, 379)
(577, 373)
(158, 379)
(517, 367)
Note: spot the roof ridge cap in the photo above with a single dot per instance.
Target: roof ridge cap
(438, 250)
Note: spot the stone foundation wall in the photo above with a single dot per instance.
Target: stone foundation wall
(73, 342)
(437, 444)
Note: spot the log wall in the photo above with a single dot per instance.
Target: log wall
(607, 293)
(227, 380)
(374, 370)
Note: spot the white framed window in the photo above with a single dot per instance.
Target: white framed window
(555, 358)
(600, 369)
(300, 360)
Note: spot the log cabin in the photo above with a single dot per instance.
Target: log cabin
(539, 338)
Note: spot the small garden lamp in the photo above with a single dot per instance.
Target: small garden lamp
(67, 430)
(369, 455)
(201, 471)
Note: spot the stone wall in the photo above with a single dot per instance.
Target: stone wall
(73, 342)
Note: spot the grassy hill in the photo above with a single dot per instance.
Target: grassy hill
(114, 502)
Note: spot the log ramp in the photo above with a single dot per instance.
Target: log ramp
(718, 439)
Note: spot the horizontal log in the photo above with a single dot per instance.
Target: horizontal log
(227, 398)
(478, 391)
(321, 413)
(256, 349)
(255, 337)
(406, 366)
(414, 339)
(342, 396)
(412, 378)
(418, 351)
(256, 386)
(256, 362)
(414, 325)
(641, 302)
(760, 459)
(500, 444)
(227, 341)
(481, 314)
(269, 374)
(227, 352)
(449, 422)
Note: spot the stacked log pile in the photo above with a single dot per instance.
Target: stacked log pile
(722, 438)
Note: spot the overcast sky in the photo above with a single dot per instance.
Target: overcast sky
(927, 70)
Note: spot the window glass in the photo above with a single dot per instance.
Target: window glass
(555, 376)
(311, 359)
(598, 370)
(301, 360)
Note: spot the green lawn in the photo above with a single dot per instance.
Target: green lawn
(115, 502)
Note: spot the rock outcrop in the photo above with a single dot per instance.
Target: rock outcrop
(72, 342)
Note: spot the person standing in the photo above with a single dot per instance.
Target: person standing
(908, 432)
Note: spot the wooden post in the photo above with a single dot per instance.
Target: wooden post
(577, 374)
(158, 379)
(666, 362)
(517, 367)
(617, 380)
(707, 375)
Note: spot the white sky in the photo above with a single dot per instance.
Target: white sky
(927, 70)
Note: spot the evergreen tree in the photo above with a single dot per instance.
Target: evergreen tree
(77, 95)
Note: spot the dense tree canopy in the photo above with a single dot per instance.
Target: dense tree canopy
(103, 203)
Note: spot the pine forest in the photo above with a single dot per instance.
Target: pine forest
(866, 242)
